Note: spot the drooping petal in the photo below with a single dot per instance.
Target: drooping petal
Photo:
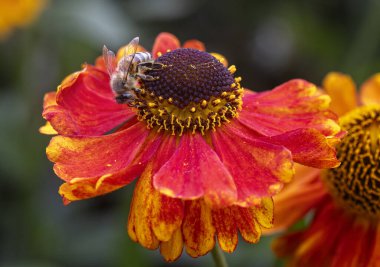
(164, 41)
(226, 229)
(297, 198)
(258, 168)
(342, 90)
(370, 91)
(172, 249)
(162, 215)
(263, 212)
(248, 226)
(167, 212)
(140, 215)
(85, 105)
(309, 147)
(195, 44)
(292, 105)
(195, 171)
(197, 228)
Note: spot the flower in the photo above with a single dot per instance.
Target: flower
(209, 154)
(345, 229)
(16, 13)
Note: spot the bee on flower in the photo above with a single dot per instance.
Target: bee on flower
(209, 154)
(345, 228)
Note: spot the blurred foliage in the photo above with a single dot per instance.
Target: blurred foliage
(269, 41)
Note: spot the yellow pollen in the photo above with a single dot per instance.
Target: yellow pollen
(238, 79)
(355, 184)
(152, 104)
(216, 102)
(232, 69)
(170, 100)
(193, 109)
(159, 54)
(204, 103)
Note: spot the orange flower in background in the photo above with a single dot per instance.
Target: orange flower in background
(345, 230)
(18, 13)
(209, 154)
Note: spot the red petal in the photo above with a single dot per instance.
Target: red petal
(197, 228)
(165, 41)
(249, 228)
(316, 246)
(226, 229)
(292, 105)
(92, 164)
(153, 216)
(86, 105)
(258, 168)
(195, 44)
(172, 249)
(195, 171)
(297, 198)
(309, 147)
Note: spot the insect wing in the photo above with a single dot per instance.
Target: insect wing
(129, 53)
(131, 48)
(109, 60)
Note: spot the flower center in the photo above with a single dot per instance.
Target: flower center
(356, 183)
(191, 91)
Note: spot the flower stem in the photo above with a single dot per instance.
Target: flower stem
(218, 256)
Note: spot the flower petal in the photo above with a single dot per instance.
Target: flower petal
(309, 147)
(370, 91)
(167, 212)
(258, 168)
(264, 212)
(375, 257)
(292, 105)
(86, 105)
(172, 249)
(197, 228)
(47, 129)
(195, 44)
(140, 215)
(304, 247)
(297, 198)
(249, 228)
(342, 90)
(90, 169)
(195, 171)
(356, 245)
(226, 229)
(88, 157)
(164, 41)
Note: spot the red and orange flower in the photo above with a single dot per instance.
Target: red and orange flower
(345, 229)
(209, 154)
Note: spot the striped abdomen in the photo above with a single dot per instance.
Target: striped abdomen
(142, 57)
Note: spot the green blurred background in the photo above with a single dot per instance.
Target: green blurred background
(269, 41)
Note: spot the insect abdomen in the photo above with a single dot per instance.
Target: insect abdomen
(142, 57)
